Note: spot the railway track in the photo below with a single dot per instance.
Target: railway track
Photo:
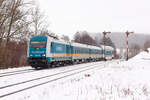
(16, 72)
(58, 76)
(2, 87)
(11, 73)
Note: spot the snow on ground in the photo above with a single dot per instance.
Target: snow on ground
(126, 80)
(37, 73)
(15, 69)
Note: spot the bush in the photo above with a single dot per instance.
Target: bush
(13, 54)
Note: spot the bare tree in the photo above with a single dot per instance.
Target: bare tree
(77, 37)
(38, 21)
(134, 49)
(65, 37)
(85, 38)
(146, 45)
(3, 17)
(13, 19)
(17, 22)
(13, 26)
(108, 41)
(1, 1)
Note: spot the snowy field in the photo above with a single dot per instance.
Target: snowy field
(126, 80)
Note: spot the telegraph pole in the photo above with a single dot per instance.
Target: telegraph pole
(127, 34)
(104, 33)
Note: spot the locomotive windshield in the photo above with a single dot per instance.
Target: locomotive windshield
(38, 44)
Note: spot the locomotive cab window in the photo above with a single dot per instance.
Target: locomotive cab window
(39, 44)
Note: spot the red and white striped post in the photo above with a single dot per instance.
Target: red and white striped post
(127, 34)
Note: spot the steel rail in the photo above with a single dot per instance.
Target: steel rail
(15, 71)
(51, 80)
(18, 72)
(42, 77)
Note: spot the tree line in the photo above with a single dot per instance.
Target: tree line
(19, 20)
(134, 48)
(85, 38)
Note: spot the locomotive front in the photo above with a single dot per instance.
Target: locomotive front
(37, 51)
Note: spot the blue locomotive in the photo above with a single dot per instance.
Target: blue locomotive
(45, 51)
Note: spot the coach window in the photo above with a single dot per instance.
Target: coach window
(83, 50)
(75, 50)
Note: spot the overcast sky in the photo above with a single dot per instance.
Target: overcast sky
(68, 16)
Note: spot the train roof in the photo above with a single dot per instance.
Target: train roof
(85, 46)
(59, 41)
(107, 47)
(79, 45)
(44, 38)
(94, 47)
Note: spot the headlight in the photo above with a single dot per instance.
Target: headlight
(43, 55)
(31, 55)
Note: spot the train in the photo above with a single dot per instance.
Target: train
(46, 51)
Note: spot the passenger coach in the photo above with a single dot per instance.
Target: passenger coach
(45, 51)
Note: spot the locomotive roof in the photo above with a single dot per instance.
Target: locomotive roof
(59, 41)
(38, 38)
